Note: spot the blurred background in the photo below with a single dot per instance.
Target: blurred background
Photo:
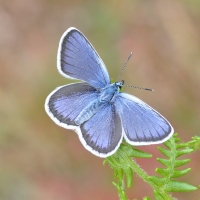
(42, 161)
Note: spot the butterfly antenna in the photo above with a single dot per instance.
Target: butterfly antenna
(124, 65)
(148, 89)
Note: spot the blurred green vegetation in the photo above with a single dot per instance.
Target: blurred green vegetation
(39, 160)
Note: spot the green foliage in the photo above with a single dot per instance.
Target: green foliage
(194, 143)
(121, 167)
(123, 164)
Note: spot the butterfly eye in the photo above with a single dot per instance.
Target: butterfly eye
(120, 86)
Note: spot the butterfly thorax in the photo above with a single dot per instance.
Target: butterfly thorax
(106, 95)
(109, 93)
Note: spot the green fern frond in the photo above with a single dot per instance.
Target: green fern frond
(194, 143)
(122, 168)
(123, 164)
(174, 150)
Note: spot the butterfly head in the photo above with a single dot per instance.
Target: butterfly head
(120, 84)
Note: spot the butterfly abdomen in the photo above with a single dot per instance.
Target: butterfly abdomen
(88, 112)
(106, 95)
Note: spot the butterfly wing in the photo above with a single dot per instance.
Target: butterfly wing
(78, 59)
(102, 133)
(65, 103)
(142, 124)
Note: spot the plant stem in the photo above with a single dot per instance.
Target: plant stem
(142, 174)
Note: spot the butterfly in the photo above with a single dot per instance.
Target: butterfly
(95, 108)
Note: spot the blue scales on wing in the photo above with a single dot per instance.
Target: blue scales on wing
(103, 131)
(66, 102)
(141, 123)
(77, 59)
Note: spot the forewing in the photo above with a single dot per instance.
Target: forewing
(102, 134)
(142, 124)
(65, 103)
(78, 59)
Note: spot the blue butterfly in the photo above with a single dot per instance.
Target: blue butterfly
(95, 108)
